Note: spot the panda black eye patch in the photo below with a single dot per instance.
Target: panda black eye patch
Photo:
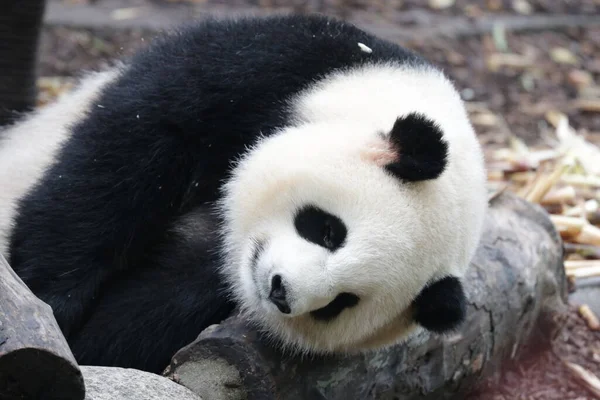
(320, 227)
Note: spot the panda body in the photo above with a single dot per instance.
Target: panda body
(324, 181)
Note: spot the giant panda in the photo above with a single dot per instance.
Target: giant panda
(325, 183)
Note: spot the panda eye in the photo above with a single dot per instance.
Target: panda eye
(320, 227)
(328, 235)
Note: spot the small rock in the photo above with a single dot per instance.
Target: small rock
(579, 78)
(467, 94)
(441, 4)
(562, 55)
(108, 383)
(527, 82)
(522, 7)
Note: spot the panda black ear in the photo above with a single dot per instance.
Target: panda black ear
(441, 306)
(421, 152)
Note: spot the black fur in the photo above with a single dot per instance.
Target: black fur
(149, 312)
(320, 227)
(92, 238)
(335, 308)
(441, 306)
(422, 151)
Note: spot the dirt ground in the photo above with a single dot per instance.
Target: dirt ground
(512, 81)
(543, 375)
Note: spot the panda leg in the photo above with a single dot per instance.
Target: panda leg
(143, 317)
(100, 209)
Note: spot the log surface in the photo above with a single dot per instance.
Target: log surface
(35, 359)
(516, 288)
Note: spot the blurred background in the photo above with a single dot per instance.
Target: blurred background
(515, 59)
(528, 70)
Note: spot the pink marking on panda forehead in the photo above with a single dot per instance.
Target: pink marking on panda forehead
(379, 152)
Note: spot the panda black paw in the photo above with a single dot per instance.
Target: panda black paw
(441, 306)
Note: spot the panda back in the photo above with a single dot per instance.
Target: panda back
(30, 145)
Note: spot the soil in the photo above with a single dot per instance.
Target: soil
(521, 94)
(542, 375)
(551, 70)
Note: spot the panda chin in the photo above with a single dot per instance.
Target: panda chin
(441, 306)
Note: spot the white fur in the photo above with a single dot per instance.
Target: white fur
(28, 148)
(399, 236)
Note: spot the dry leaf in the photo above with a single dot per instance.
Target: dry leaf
(562, 55)
(591, 105)
(579, 78)
(558, 196)
(522, 7)
(126, 13)
(517, 61)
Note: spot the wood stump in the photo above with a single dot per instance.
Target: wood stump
(35, 359)
(517, 291)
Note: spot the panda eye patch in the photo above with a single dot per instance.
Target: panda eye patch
(320, 227)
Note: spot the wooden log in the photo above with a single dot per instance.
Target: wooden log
(517, 291)
(35, 359)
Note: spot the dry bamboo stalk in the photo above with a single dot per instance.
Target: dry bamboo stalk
(589, 207)
(590, 318)
(495, 175)
(570, 226)
(584, 250)
(484, 119)
(562, 195)
(584, 272)
(591, 105)
(553, 117)
(589, 380)
(589, 234)
(581, 180)
(530, 183)
(579, 264)
(538, 156)
(544, 185)
(497, 60)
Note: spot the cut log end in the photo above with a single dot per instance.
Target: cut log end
(517, 291)
(33, 373)
(35, 359)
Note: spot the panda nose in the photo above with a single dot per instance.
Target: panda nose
(278, 296)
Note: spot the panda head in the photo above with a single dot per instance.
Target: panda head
(343, 234)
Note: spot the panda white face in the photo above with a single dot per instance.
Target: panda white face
(344, 234)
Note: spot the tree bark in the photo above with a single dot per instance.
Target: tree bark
(35, 359)
(517, 291)
(20, 26)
